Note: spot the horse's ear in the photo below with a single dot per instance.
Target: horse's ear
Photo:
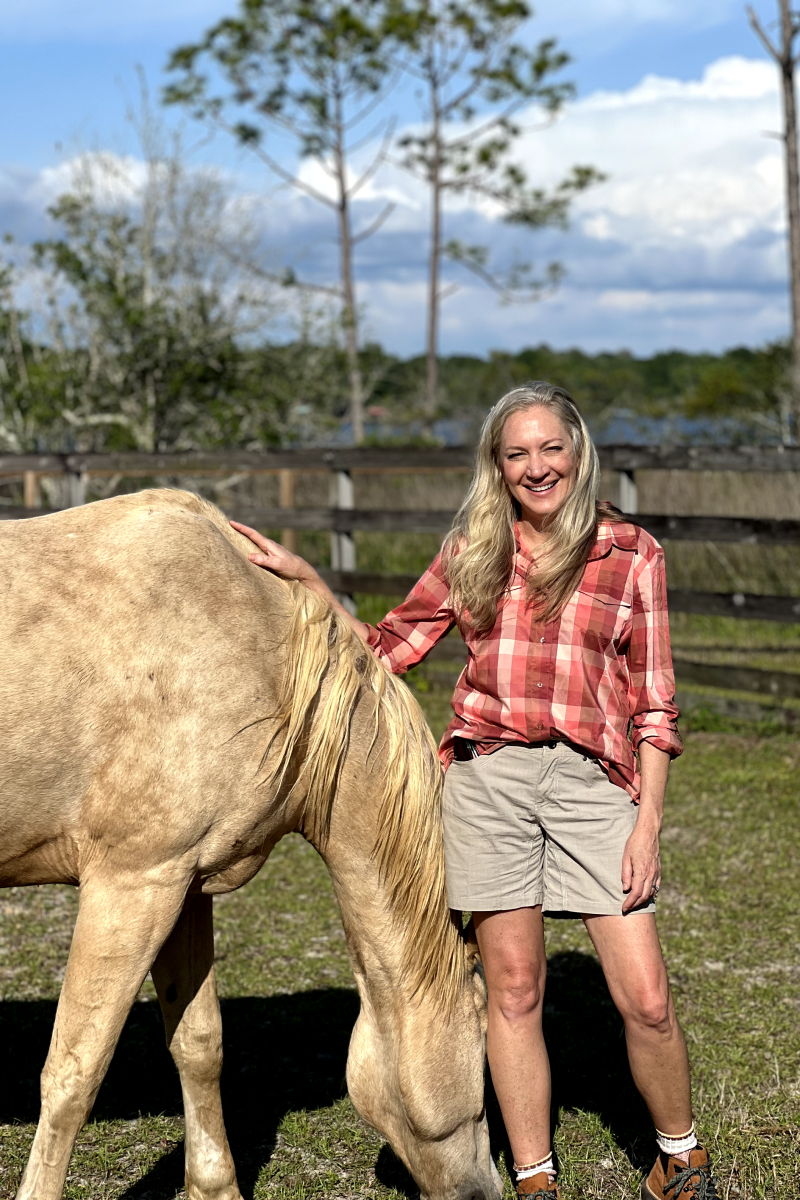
(479, 995)
(474, 963)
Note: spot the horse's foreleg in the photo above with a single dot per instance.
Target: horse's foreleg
(184, 977)
(121, 925)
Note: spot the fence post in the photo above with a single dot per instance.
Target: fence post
(32, 490)
(286, 500)
(628, 492)
(343, 548)
(75, 488)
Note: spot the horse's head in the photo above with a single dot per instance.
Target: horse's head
(372, 784)
(417, 1075)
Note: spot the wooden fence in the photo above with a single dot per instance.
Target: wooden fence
(342, 520)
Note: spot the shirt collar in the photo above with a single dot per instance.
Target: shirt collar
(620, 534)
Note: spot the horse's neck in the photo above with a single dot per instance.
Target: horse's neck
(376, 934)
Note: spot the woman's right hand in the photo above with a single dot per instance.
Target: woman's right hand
(272, 556)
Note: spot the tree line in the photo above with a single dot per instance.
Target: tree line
(156, 319)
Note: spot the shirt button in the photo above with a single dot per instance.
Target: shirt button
(538, 685)
(541, 639)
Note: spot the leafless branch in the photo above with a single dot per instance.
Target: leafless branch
(287, 176)
(762, 35)
(377, 162)
(374, 103)
(446, 292)
(375, 225)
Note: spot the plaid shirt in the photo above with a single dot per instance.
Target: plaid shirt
(600, 675)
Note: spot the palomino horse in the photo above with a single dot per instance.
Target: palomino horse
(168, 713)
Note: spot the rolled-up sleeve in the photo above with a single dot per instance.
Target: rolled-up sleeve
(409, 632)
(652, 679)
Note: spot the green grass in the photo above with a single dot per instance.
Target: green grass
(730, 926)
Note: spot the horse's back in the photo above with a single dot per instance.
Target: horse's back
(136, 639)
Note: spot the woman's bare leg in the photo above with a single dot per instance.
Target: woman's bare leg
(630, 955)
(513, 954)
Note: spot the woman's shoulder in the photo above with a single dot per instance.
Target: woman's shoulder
(627, 535)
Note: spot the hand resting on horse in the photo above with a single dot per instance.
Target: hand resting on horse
(272, 556)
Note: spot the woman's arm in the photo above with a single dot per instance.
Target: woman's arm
(274, 557)
(641, 862)
(655, 732)
(405, 635)
(652, 680)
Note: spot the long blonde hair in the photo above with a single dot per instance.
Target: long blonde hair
(479, 550)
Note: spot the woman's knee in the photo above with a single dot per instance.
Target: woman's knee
(649, 1007)
(517, 990)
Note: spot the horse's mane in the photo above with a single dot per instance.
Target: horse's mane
(329, 671)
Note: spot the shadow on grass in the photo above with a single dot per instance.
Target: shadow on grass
(282, 1053)
(588, 1057)
(286, 1053)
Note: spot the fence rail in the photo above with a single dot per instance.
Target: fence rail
(450, 655)
(341, 519)
(390, 458)
(752, 531)
(683, 600)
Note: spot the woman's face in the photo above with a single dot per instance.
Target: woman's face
(537, 462)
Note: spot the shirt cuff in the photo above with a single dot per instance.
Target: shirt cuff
(373, 638)
(387, 657)
(663, 737)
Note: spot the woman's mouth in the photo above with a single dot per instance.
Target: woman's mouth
(540, 488)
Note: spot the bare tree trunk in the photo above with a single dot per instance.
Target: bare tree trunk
(784, 57)
(792, 195)
(432, 387)
(349, 311)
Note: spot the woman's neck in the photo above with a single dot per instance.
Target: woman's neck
(531, 538)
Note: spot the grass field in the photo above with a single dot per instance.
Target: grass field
(729, 920)
(730, 925)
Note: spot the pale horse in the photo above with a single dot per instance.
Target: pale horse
(168, 713)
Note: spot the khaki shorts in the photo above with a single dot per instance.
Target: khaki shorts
(532, 825)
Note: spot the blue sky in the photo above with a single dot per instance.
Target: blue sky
(65, 67)
(683, 246)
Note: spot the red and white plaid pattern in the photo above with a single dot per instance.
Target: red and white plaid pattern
(601, 669)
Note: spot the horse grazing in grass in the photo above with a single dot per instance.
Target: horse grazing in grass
(168, 712)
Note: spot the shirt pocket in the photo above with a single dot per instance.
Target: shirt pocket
(603, 618)
(604, 597)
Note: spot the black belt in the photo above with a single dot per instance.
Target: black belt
(465, 749)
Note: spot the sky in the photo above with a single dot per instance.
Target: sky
(682, 246)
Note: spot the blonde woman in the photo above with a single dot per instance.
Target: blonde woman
(569, 677)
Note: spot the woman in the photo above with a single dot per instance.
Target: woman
(562, 606)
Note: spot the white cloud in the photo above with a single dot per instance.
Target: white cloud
(614, 21)
(683, 245)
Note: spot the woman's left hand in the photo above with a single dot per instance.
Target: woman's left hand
(641, 864)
